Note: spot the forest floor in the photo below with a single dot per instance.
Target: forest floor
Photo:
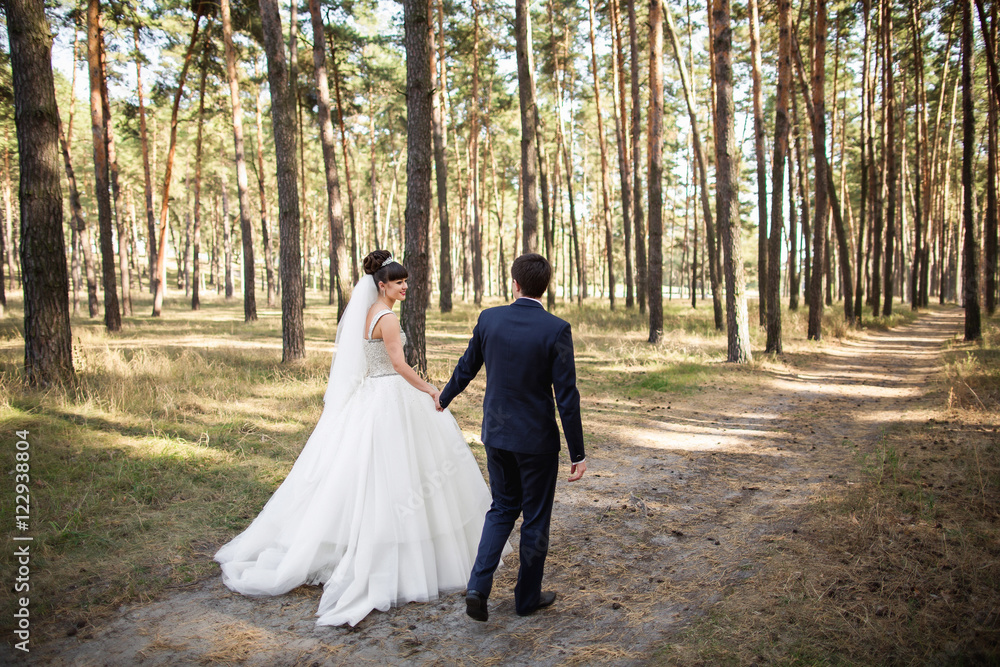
(752, 515)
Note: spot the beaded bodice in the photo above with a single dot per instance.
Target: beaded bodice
(379, 363)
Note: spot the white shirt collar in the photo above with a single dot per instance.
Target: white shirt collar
(531, 298)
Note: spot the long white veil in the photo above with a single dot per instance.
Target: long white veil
(349, 364)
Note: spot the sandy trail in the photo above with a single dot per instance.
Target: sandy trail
(683, 500)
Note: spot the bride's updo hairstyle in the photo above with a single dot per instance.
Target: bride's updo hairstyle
(383, 274)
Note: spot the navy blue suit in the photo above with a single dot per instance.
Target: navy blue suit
(530, 371)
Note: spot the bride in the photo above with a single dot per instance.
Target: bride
(385, 504)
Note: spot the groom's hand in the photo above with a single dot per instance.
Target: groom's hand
(576, 470)
(437, 401)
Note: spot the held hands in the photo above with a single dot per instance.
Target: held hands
(576, 470)
(436, 395)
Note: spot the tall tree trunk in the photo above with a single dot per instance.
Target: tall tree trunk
(265, 231)
(227, 236)
(116, 190)
(79, 225)
(713, 264)
(605, 176)
(529, 126)
(621, 134)
(817, 121)
(160, 274)
(347, 167)
(866, 161)
(889, 95)
(990, 223)
(242, 184)
(112, 315)
(340, 282)
(655, 170)
(877, 186)
(196, 231)
(476, 230)
(283, 124)
(763, 273)
(146, 173)
(818, 117)
(48, 356)
(804, 207)
(445, 285)
(80, 233)
(419, 113)
(727, 187)
(642, 286)
(973, 325)
(918, 219)
(563, 151)
(9, 217)
(777, 175)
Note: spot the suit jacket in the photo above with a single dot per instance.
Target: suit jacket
(528, 353)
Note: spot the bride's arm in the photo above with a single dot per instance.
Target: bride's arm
(394, 346)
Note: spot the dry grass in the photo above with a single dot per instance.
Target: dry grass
(178, 429)
(900, 567)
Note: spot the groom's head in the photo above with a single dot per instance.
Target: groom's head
(531, 272)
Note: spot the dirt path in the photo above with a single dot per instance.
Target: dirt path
(683, 501)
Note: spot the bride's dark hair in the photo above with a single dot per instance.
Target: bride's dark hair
(383, 274)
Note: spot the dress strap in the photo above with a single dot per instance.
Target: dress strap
(378, 316)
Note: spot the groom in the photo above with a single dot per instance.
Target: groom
(528, 353)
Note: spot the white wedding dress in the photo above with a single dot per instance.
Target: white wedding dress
(384, 505)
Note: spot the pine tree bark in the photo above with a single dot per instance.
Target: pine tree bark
(112, 314)
(820, 201)
(445, 285)
(116, 190)
(970, 250)
(476, 229)
(9, 217)
(710, 231)
(781, 126)
(160, 273)
(79, 225)
(283, 124)
(529, 127)
(655, 169)
(621, 135)
(892, 174)
(347, 166)
(265, 231)
(763, 273)
(199, 143)
(918, 219)
(419, 114)
(340, 282)
(605, 176)
(48, 357)
(146, 172)
(727, 187)
(990, 222)
(242, 181)
(867, 171)
(642, 283)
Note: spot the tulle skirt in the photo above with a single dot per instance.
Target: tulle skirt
(385, 505)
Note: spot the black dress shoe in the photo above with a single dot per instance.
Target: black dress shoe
(544, 600)
(475, 605)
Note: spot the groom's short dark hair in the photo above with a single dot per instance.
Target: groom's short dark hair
(532, 272)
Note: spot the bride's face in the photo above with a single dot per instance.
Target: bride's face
(396, 289)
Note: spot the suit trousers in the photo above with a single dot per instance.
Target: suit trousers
(520, 483)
